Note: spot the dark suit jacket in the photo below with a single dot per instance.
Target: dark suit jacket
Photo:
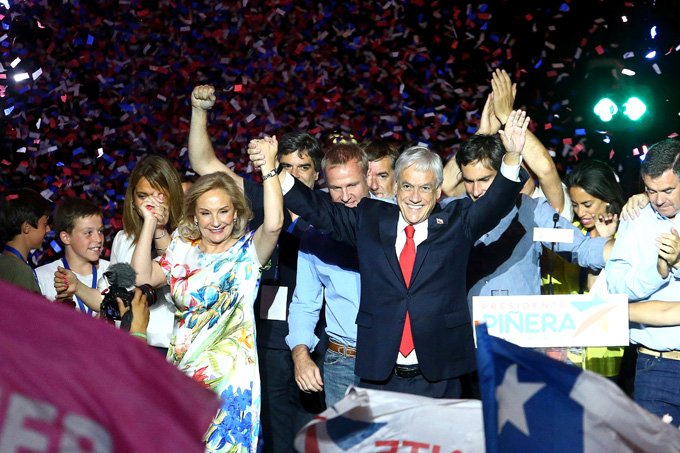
(435, 298)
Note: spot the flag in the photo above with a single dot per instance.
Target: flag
(368, 420)
(70, 382)
(532, 403)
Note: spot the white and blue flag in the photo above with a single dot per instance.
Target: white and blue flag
(532, 403)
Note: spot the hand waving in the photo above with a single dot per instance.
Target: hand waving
(515, 132)
(606, 225)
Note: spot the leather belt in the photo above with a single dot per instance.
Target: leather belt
(672, 355)
(407, 371)
(341, 349)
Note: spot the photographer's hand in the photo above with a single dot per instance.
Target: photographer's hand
(140, 314)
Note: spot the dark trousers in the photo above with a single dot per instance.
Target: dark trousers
(417, 385)
(285, 409)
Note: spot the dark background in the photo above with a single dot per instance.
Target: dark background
(116, 78)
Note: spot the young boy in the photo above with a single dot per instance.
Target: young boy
(24, 215)
(79, 225)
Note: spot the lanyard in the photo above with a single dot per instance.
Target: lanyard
(21, 257)
(84, 308)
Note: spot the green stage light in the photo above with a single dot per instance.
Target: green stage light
(605, 109)
(634, 108)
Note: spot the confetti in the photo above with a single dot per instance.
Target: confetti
(120, 79)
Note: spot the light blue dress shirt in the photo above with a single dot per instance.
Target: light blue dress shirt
(330, 269)
(631, 270)
(507, 259)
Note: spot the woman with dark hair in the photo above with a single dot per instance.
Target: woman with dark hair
(213, 265)
(597, 199)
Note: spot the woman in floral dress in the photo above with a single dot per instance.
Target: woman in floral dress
(213, 266)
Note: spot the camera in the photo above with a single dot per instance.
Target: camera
(109, 307)
(121, 278)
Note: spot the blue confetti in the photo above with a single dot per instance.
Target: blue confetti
(55, 246)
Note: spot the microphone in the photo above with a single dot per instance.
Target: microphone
(551, 269)
(121, 275)
(122, 278)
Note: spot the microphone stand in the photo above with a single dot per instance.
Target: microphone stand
(551, 290)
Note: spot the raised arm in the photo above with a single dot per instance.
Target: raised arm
(267, 234)
(487, 211)
(201, 152)
(452, 186)
(314, 206)
(535, 154)
(148, 270)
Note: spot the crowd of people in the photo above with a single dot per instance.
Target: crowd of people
(279, 296)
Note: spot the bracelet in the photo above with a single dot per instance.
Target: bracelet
(165, 233)
(271, 173)
(139, 334)
(160, 250)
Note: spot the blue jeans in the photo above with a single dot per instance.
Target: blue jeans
(338, 375)
(657, 386)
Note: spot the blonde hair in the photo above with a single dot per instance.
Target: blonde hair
(219, 180)
(163, 177)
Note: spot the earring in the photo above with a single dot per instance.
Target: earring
(195, 221)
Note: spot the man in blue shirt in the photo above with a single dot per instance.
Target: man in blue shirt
(644, 265)
(329, 270)
(505, 261)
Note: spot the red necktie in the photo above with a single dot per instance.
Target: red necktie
(406, 260)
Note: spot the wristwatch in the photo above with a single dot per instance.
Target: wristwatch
(272, 172)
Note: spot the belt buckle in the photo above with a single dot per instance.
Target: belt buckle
(406, 371)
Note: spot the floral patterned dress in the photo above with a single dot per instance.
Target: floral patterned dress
(214, 337)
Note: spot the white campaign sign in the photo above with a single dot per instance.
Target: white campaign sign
(555, 321)
(562, 235)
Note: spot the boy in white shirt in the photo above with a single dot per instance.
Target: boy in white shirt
(79, 226)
